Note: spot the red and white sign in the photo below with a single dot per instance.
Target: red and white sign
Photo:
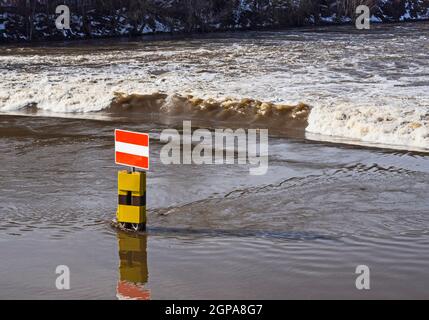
(132, 149)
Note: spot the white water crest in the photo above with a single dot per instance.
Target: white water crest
(392, 126)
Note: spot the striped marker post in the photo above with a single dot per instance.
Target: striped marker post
(132, 149)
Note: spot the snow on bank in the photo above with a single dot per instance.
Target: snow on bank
(179, 16)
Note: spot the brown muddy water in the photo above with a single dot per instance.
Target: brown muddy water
(353, 191)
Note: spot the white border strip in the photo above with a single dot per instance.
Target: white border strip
(134, 149)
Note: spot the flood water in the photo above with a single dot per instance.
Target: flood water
(346, 186)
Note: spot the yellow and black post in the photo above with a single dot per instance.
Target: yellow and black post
(131, 212)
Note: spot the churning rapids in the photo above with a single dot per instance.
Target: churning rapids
(337, 193)
(337, 84)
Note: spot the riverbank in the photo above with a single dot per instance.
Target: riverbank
(175, 17)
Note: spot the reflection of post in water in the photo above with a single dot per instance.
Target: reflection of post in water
(133, 271)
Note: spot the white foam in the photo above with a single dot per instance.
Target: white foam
(386, 125)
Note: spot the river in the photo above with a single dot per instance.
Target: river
(347, 184)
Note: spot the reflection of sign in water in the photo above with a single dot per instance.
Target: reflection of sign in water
(133, 271)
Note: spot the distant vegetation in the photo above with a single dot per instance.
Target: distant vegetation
(24, 20)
